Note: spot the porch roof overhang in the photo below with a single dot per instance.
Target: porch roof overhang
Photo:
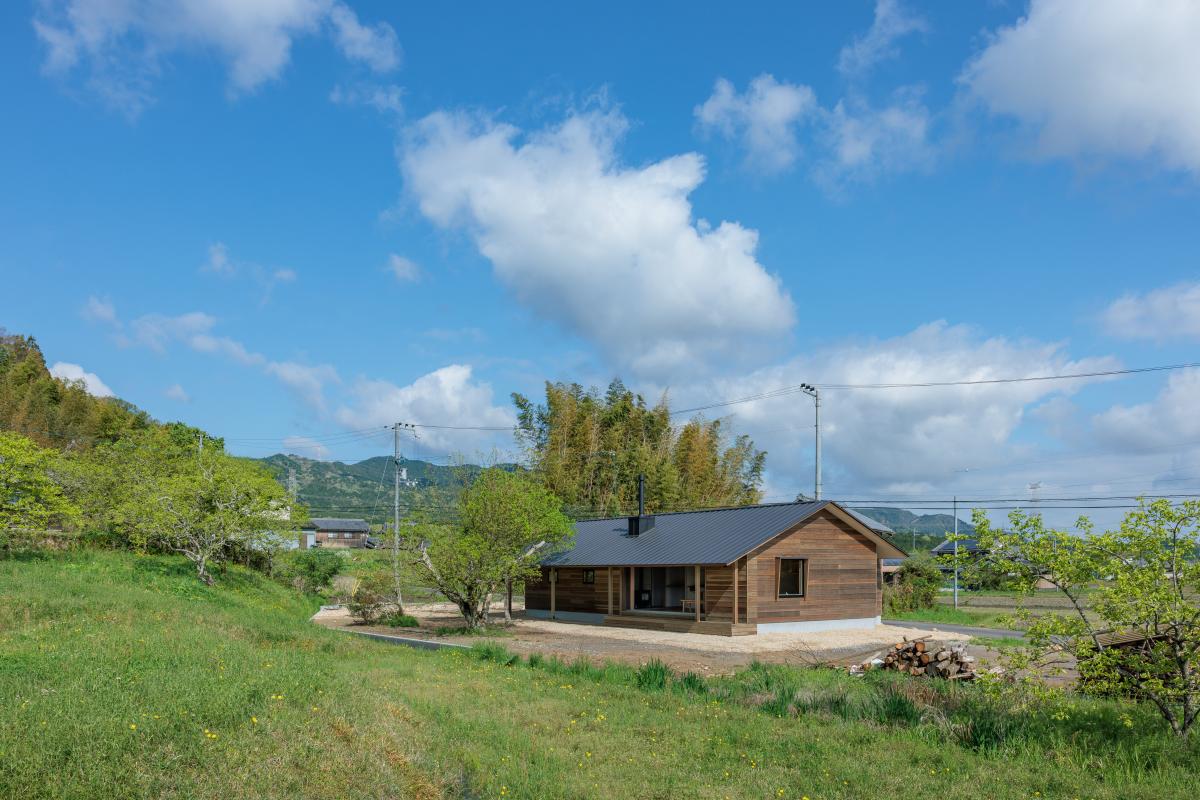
(715, 537)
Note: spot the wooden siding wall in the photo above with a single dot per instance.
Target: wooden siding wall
(718, 592)
(841, 580)
(572, 593)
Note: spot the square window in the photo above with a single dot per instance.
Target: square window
(589, 576)
(791, 577)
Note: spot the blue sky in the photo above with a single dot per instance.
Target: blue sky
(285, 221)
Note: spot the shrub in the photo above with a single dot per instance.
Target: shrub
(313, 570)
(916, 587)
(372, 596)
(394, 619)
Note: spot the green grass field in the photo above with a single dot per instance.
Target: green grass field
(122, 676)
(955, 616)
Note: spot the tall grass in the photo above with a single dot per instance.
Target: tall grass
(115, 670)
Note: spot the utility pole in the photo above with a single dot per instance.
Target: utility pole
(396, 430)
(956, 551)
(815, 394)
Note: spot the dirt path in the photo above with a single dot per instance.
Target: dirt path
(700, 653)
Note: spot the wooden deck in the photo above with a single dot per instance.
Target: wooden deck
(679, 624)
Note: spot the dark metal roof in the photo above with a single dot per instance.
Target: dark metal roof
(964, 546)
(338, 524)
(871, 522)
(719, 536)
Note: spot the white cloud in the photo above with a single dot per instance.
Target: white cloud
(897, 439)
(155, 331)
(195, 331)
(864, 142)
(218, 261)
(387, 99)
(283, 275)
(307, 381)
(892, 22)
(1101, 78)
(100, 310)
(1168, 420)
(447, 396)
(122, 46)
(1162, 314)
(177, 393)
(764, 118)
(304, 446)
(608, 251)
(376, 45)
(73, 372)
(404, 269)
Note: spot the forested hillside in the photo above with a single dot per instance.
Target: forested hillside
(364, 489)
(52, 412)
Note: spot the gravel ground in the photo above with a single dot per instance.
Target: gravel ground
(682, 651)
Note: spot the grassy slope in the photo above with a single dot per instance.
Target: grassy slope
(92, 645)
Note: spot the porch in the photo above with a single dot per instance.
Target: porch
(680, 598)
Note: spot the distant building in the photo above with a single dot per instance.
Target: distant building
(334, 532)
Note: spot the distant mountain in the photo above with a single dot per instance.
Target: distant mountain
(902, 521)
(917, 533)
(364, 489)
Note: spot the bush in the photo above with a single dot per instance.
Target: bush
(394, 619)
(916, 587)
(313, 570)
(372, 596)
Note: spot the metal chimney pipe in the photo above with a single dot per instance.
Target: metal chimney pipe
(641, 495)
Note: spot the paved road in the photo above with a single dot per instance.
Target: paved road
(969, 630)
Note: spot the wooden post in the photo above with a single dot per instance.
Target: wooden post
(553, 584)
(697, 593)
(629, 599)
(735, 593)
(751, 589)
(610, 607)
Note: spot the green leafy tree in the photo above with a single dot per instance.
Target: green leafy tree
(589, 448)
(507, 524)
(917, 583)
(31, 498)
(1141, 581)
(313, 570)
(208, 506)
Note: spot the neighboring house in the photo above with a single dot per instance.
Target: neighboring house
(890, 567)
(334, 532)
(806, 566)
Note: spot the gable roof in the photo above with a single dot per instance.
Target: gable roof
(338, 524)
(717, 536)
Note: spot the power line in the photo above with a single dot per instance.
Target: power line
(787, 390)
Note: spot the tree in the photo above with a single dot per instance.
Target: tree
(507, 524)
(1141, 580)
(209, 505)
(588, 448)
(917, 583)
(31, 499)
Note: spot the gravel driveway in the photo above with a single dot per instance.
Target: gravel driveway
(682, 651)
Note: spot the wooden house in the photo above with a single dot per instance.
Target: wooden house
(808, 566)
(334, 532)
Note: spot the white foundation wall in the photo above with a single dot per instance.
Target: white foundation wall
(818, 625)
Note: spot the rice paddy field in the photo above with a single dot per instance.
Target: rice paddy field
(122, 676)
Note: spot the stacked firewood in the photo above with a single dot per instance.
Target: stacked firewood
(932, 659)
